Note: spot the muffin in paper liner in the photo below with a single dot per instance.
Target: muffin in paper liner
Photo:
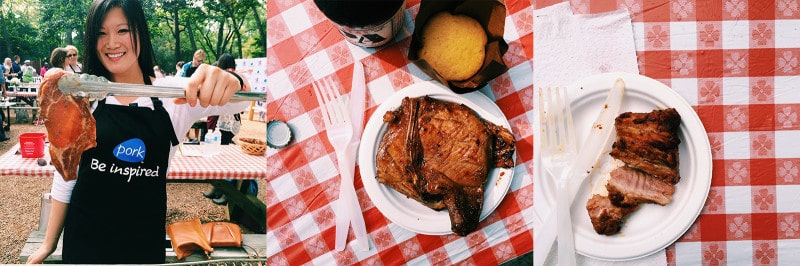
(490, 14)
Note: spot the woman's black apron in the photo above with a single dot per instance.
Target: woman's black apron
(118, 207)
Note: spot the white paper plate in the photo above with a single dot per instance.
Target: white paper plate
(652, 228)
(409, 213)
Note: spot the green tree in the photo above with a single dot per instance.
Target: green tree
(61, 22)
(216, 26)
(33, 28)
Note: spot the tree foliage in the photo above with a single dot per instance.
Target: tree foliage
(33, 28)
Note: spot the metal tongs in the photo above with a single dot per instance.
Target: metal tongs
(85, 85)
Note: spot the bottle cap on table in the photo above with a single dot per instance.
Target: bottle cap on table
(279, 134)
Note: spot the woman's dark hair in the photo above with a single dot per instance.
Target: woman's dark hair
(226, 61)
(58, 57)
(139, 30)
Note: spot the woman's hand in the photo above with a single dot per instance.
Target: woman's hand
(210, 86)
(40, 254)
(55, 225)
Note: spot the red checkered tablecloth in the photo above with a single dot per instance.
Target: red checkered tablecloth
(231, 163)
(737, 62)
(303, 181)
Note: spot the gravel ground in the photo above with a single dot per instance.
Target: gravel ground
(20, 198)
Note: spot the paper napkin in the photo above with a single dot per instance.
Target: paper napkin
(569, 47)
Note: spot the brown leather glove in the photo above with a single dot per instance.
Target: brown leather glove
(188, 237)
(223, 234)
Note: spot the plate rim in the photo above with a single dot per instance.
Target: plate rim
(656, 91)
(375, 125)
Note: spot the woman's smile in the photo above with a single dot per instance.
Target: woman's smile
(115, 56)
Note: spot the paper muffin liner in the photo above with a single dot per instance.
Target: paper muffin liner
(490, 14)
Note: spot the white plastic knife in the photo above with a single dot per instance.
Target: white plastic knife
(348, 200)
(590, 152)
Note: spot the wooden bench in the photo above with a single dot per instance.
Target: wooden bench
(254, 242)
(25, 107)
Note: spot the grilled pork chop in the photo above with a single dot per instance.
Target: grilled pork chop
(647, 143)
(440, 153)
(70, 126)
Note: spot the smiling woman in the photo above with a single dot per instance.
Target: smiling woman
(110, 194)
(72, 59)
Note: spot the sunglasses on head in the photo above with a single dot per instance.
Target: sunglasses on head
(71, 55)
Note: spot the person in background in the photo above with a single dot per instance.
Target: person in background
(227, 123)
(44, 68)
(228, 126)
(72, 60)
(3, 79)
(28, 72)
(197, 60)
(107, 217)
(179, 69)
(200, 128)
(211, 120)
(16, 68)
(158, 72)
(58, 59)
(8, 72)
(3, 119)
(3, 137)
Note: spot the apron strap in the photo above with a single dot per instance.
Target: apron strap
(158, 106)
(100, 105)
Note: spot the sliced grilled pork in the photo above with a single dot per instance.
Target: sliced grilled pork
(647, 144)
(629, 187)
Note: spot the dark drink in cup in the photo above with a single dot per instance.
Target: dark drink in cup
(366, 23)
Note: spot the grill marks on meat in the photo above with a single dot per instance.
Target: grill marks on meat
(648, 145)
(649, 142)
(70, 126)
(399, 155)
(440, 153)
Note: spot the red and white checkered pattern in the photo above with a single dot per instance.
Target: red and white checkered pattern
(231, 163)
(303, 181)
(737, 62)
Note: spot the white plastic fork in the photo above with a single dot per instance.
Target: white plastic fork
(335, 114)
(558, 151)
